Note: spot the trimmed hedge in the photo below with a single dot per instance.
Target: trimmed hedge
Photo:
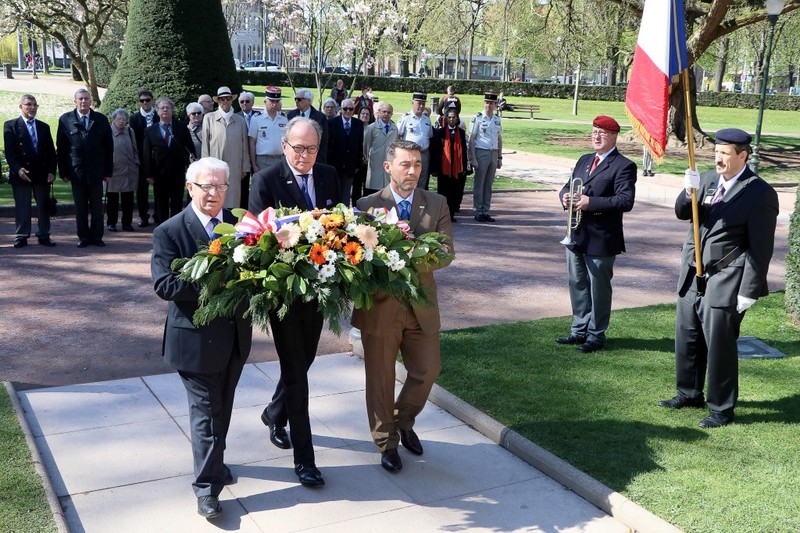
(181, 52)
(793, 263)
(435, 86)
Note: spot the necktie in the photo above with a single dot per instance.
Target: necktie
(167, 136)
(149, 119)
(32, 131)
(386, 128)
(304, 188)
(405, 210)
(720, 194)
(594, 163)
(213, 224)
(347, 127)
(86, 123)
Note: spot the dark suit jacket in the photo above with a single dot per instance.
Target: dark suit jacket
(322, 120)
(187, 348)
(429, 212)
(139, 124)
(745, 218)
(85, 155)
(167, 163)
(345, 152)
(611, 188)
(21, 154)
(275, 186)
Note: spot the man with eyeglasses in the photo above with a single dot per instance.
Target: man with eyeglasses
(297, 181)
(415, 126)
(209, 359)
(377, 138)
(139, 122)
(266, 132)
(608, 190)
(346, 149)
(225, 137)
(303, 100)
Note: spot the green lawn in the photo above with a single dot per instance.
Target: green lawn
(23, 507)
(598, 412)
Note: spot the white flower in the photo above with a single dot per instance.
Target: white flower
(351, 228)
(314, 231)
(397, 265)
(286, 256)
(240, 254)
(393, 256)
(327, 270)
(306, 218)
(368, 254)
(330, 256)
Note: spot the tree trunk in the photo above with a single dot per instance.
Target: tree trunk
(758, 71)
(722, 63)
(468, 73)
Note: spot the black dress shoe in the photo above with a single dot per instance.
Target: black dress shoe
(143, 223)
(277, 434)
(208, 507)
(390, 460)
(309, 475)
(83, 244)
(99, 242)
(590, 346)
(47, 241)
(679, 402)
(20, 242)
(488, 218)
(127, 227)
(112, 227)
(410, 441)
(227, 475)
(715, 420)
(571, 339)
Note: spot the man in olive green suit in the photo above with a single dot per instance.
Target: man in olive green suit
(391, 325)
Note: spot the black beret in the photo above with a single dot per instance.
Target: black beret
(733, 136)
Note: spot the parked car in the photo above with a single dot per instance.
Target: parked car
(336, 70)
(258, 65)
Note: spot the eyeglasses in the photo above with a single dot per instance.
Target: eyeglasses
(299, 150)
(224, 97)
(597, 133)
(196, 114)
(244, 101)
(143, 100)
(348, 109)
(298, 99)
(208, 187)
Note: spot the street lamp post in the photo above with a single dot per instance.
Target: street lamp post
(774, 8)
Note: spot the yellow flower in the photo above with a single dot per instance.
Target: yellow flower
(215, 247)
(332, 220)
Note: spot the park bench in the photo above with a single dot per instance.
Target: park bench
(520, 108)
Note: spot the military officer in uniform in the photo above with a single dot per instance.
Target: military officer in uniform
(266, 131)
(486, 155)
(416, 127)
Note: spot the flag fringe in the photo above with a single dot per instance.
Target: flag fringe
(650, 144)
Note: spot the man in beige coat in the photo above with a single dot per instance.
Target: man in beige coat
(391, 325)
(377, 136)
(225, 137)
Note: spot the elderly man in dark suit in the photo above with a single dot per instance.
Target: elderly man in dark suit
(86, 158)
(167, 148)
(391, 325)
(346, 147)
(303, 100)
(209, 359)
(296, 181)
(609, 187)
(31, 159)
(737, 217)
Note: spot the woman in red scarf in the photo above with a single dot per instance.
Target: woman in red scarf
(449, 150)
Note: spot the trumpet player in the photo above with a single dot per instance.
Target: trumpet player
(606, 191)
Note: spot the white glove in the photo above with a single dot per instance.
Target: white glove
(691, 180)
(743, 303)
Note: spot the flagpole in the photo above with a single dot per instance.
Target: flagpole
(698, 256)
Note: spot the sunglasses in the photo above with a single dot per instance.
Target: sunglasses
(298, 99)
(195, 114)
(348, 109)
(244, 101)
(143, 100)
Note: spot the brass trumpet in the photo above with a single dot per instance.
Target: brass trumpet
(573, 216)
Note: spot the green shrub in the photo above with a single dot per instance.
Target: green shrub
(175, 48)
(793, 263)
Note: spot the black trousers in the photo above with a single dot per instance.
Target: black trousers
(245, 199)
(143, 198)
(22, 208)
(210, 406)
(453, 190)
(88, 202)
(296, 339)
(112, 207)
(168, 197)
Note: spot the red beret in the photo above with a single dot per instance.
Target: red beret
(606, 123)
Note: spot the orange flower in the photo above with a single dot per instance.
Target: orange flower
(215, 247)
(354, 252)
(336, 239)
(318, 252)
(332, 220)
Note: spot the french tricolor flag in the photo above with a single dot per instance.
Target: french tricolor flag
(660, 54)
